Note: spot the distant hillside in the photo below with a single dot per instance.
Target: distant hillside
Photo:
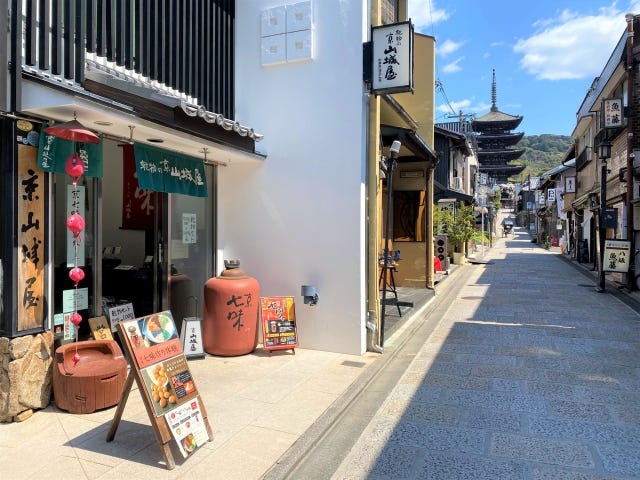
(541, 153)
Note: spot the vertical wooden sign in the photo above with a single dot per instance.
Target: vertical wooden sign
(31, 247)
(160, 369)
(278, 323)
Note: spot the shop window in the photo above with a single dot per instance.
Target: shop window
(409, 223)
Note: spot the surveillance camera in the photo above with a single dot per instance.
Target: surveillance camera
(395, 147)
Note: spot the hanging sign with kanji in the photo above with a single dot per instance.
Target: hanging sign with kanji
(616, 256)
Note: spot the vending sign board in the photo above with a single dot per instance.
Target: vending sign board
(168, 390)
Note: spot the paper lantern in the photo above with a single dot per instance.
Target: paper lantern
(74, 166)
(76, 318)
(76, 274)
(75, 223)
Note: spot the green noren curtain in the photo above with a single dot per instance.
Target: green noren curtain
(53, 153)
(170, 172)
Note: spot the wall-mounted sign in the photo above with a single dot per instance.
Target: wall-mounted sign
(392, 58)
(570, 184)
(31, 195)
(551, 195)
(616, 256)
(613, 116)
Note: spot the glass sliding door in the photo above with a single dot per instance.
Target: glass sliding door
(191, 249)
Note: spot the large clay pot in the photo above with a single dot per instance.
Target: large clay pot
(230, 316)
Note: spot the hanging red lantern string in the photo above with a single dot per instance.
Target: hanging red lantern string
(75, 168)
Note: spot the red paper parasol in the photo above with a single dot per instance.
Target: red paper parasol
(73, 131)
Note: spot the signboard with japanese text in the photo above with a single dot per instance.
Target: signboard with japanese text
(163, 171)
(167, 387)
(191, 337)
(100, 328)
(76, 200)
(392, 58)
(31, 249)
(119, 313)
(616, 256)
(54, 151)
(613, 116)
(278, 323)
(570, 184)
(551, 195)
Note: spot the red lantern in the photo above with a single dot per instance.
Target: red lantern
(76, 274)
(74, 166)
(75, 223)
(76, 318)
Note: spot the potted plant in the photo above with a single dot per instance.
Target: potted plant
(460, 230)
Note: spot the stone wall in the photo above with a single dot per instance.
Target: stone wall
(26, 372)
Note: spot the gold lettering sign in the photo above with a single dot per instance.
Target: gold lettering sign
(31, 247)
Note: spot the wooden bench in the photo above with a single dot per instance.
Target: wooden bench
(95, 382)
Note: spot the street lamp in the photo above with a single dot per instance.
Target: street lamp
(391, 164)
(605, 154)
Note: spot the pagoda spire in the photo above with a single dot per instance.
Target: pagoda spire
(494, 107)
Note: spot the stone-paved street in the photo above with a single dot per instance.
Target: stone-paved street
(530, 374)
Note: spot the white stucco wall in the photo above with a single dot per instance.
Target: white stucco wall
(299, 217)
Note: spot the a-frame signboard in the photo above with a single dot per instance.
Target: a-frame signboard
(159, 367)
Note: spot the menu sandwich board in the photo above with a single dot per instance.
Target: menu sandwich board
(278, 323)
(160, 369)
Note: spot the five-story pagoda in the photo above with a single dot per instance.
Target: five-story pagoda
(496, 140)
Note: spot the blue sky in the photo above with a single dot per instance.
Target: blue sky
(546, 54)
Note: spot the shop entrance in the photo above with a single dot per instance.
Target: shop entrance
(150, 249)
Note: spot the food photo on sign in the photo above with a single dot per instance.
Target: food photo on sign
(187, 427)
(153, 338)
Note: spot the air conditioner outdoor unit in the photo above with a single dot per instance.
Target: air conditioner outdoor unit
(457, 183)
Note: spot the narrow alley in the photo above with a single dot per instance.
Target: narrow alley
(520, 370)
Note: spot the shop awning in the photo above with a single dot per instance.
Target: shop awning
(413, 145)
(441, 192)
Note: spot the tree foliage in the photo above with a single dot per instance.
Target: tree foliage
(459, 227)
(541, 153)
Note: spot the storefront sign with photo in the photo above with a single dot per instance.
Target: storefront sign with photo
(168, 390)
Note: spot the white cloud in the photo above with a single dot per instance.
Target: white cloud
(423, 13)
(462, 105)
(448, 47)
(454, 66)
(571, 46)
(466, 106)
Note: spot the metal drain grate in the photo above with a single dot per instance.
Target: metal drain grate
(350, 363)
